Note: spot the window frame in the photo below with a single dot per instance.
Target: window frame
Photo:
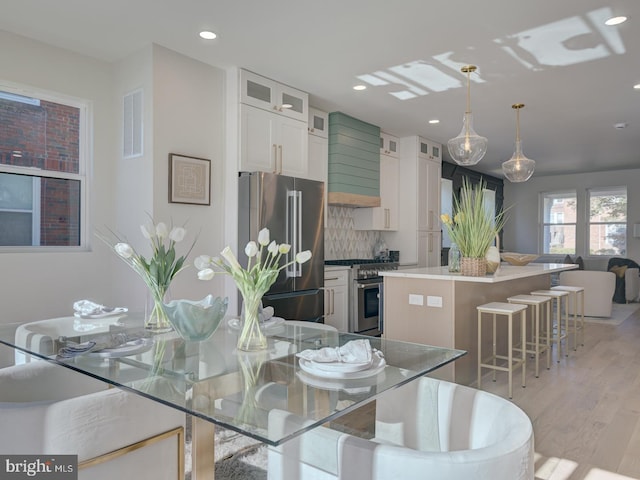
(589, 223)
(542, 224)
(85, 141)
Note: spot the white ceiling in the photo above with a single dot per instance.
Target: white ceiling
(574, 74)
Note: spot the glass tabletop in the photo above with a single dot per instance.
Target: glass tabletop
(214, 381)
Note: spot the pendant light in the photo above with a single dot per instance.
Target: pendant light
(519, 168)
(468, 147)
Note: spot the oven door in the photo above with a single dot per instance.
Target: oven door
(368, 311)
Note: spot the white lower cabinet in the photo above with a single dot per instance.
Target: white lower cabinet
(336, 298)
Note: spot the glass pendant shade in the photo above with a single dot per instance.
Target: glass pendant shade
(518, 168)
(468, 147)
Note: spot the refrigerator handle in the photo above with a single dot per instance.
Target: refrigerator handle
(294, 224)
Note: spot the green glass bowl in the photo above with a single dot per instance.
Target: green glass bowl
(196, 320)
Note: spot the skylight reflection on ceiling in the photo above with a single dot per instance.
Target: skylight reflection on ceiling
(564, 42)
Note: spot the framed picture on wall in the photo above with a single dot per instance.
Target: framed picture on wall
(189, 180)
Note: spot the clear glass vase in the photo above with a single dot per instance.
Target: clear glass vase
(454, 258)
(155, 317)
(251, 338)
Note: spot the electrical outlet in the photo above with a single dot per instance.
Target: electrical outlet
(416, 299)
(434, 301)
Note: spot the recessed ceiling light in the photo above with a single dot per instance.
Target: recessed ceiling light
(207, 35)
(360, 87)
(434, 121)
(615, 20)
(637, 86)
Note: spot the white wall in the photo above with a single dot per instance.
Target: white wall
(521, 232)
(43, 285)
(188, 118)
(184, 113)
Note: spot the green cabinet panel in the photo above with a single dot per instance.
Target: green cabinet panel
(354, 156)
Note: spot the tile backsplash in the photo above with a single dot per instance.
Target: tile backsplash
(342, 241)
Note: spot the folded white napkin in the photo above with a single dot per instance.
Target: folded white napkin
(114, 340)
(87, 307)
(355, 351)
(265, 314)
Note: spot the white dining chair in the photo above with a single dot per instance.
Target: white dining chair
(50, 409)
(427, 427)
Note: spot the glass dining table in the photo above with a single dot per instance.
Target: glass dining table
(214, 383)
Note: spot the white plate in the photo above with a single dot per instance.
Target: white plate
(115, 311)
(353, 386)
(273, 322)
(377, 365)
(133, 347)
(341, 366)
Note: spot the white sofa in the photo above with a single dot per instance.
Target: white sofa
(598, 290)
(425, 429)
(49, 409)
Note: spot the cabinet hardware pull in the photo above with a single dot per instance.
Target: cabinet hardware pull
(332, 278)
(275, 158)
(280, 148)
(333, 302)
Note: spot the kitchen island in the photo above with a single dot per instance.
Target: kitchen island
(435, 307)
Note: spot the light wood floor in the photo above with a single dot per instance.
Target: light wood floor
(585, 410)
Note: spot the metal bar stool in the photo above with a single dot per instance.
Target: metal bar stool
(560, 333)
(537, 303)
(578, 306)
(507, 310)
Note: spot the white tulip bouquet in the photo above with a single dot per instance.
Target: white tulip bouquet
(159, 270)
(253, 282)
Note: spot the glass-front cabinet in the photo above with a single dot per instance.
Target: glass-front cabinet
(318, 123)
(268, 94)
(389, 145)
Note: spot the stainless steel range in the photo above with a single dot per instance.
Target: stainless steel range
(365, 294)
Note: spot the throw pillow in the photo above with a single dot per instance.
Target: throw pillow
(580, 263)
(567, 259)
(619, 270)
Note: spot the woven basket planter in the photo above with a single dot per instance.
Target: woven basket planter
(473, 267)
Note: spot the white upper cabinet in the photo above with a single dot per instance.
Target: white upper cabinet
(429, 174)
(272, 143)
(384, 217)
(318, 123)
(267, 94)
(429, 150)
(389, 145)
(273, 127)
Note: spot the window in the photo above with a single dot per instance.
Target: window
(559, 222)
(607, 221)
(42, 170)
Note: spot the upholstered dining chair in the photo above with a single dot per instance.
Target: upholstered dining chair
(49, 409)
(426, 429)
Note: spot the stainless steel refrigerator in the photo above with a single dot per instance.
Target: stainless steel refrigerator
(293, 211)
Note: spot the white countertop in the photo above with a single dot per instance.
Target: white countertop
(505, 273)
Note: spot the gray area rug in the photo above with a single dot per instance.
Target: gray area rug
(237, 457)
(619, 313)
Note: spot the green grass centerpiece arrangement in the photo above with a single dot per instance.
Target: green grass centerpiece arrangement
(472, 228)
